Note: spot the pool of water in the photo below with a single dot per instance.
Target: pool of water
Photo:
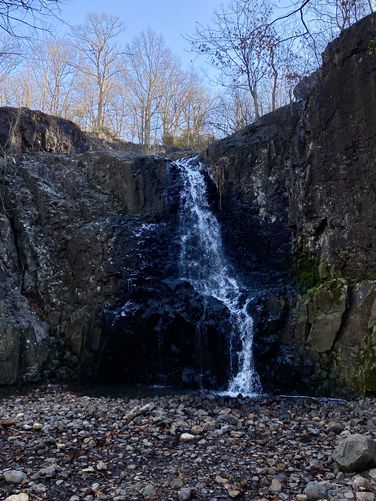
(126, 391)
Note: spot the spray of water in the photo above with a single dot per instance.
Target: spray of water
(204, 264)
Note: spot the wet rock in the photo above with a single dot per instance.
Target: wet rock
(355, 453)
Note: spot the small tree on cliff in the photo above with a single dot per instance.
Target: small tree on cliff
(240, 43)
(264, 50)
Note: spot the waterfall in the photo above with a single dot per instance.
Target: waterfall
(203, 263)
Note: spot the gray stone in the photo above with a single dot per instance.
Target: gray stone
(316, 490)
(355, 453)
(14, 476)
(185, 494)
(360, 483)
(275, 486)
(149, 492)
(365, 496)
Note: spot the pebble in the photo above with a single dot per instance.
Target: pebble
(18, 497)
(275, 486)
(149, 492)
(187, 437)
(14, 476)
(185, 494)
(360, 483)
(365, 496)
(316, 490)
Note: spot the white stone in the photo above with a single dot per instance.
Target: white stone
(187, 437)
(18, 497)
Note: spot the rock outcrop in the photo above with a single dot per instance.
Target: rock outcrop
(68, 230)
(24, 130)
(89, 279)
(306, 173)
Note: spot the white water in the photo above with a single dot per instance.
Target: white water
(203, 263)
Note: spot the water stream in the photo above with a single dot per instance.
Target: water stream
(203, 263)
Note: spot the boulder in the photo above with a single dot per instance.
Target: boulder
(355, 453)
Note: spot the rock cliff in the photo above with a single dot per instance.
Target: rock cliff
(306, 176)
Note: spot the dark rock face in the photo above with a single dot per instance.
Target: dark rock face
(62, 222)
(335, 209)
(302, 183)
(90, 285)
(252, 170)
(24, 130)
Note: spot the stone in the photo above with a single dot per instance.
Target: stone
(149, 492)
(316, 490)
(275, 486)
(197, 430)
(365, 496)
(355, 453)
(360, 483)
(187, 437)
(372, 473)
(185, 494)
(14, 476)
(18, 497)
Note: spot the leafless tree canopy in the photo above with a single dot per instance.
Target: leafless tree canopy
(138, 90)
(18, 14)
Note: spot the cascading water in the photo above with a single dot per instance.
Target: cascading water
(203, 263)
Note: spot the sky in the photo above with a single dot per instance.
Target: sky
(171, 18)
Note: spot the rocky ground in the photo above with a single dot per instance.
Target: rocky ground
(57, 445)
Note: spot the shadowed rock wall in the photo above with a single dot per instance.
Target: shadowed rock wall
(308, 173)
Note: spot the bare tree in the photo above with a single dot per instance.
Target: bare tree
(259, 48)
(10, 55)
(54, 70)
(232, 111)
(25, 13)
(149, 70)
(238, 44)
(99, 50)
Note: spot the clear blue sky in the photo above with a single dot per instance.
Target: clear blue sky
(171, 18)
